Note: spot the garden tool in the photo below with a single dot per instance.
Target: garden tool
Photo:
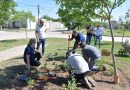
(68, 52)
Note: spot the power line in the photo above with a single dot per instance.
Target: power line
(27, 4)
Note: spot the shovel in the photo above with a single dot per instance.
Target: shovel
(68, 46)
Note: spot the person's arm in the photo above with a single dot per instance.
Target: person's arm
(68, 67)
(36, 34)
(85, 56)
(76, 45)
(28, 62)
(71, 37)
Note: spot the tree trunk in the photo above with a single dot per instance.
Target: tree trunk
(123, 35)
(112, 50)
(1, 28)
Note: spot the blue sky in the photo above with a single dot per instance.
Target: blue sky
(48, 7)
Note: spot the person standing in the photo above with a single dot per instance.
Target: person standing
(79, 38)
(40, 35)
(88, 35)
(98, 35)
(91, 54)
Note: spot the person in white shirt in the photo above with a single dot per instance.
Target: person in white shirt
(40, 35)
(80, 69)
(98, 35)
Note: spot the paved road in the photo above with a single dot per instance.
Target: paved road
(50, 33)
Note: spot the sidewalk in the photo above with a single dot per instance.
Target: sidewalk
(11, 53)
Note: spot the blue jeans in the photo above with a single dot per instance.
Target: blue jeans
(88, 40)
(41, 41)
(99, 40)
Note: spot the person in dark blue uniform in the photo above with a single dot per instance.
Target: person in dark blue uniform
(31, 55)
(79, 38)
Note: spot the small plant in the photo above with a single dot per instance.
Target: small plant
(45, 65)
(30, 82)
(100, 64)
(111, 71)
(50, 88)
(63, 66)
(122, 52)
(70, 86)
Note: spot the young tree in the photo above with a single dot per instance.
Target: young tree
(6, 9)
(90, 8)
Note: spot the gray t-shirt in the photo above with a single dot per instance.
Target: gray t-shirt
(91, 52)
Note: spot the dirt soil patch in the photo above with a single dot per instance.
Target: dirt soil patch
(11, 69)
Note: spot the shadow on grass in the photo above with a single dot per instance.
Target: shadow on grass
(8, 77)
(105, 43)
(21, 57)
(8, 41)
(57, 58)
(124, 56)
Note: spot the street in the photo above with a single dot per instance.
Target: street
(4, 35)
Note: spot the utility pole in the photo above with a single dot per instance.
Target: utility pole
(38, 11)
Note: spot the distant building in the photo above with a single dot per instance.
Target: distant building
(114, 24)
(32, 25)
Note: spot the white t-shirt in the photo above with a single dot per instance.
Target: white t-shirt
(78, 63)
(99, 31)
(41, 32)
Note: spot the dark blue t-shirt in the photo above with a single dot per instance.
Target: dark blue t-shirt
(79, 37)
(29, 51)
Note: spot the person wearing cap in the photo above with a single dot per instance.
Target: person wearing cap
(79, 38)
(80, 69)
(40, 35)
(31, 55)
(91, 54)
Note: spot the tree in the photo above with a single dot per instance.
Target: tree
(23, 16)
(90, 8)
(73, 11)
(127, 19)
(50, 18)
(6, 9)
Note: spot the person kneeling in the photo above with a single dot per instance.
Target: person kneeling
(31, 55)
(80, 69)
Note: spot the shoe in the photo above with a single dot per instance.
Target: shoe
(92, 82)
(86, 83)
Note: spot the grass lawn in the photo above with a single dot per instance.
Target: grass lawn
(6, 44)
(9, 69)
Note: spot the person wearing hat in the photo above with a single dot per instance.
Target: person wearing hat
(79, 38)
(31, 55)
(40, 34)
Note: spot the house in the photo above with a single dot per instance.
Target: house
(32, 25)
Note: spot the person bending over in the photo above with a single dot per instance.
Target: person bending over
(80, 69)
(79, 38)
